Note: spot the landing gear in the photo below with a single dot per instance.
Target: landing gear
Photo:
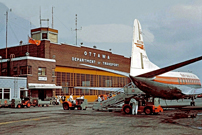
(192, 103)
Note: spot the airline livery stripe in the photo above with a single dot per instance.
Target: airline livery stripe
(178, 81)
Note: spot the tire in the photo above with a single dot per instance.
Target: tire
(66, 106)
(192, 103)
(53, 103)
(18, 106)
(28, 105)
(79, 108)
(127, 110)
(148, 111)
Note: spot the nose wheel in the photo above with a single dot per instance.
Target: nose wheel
(192, 103)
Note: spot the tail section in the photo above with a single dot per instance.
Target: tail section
(139, 59)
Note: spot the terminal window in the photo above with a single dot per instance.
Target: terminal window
(4, 93)
(25, 70)
(44, 36)
(42, 71)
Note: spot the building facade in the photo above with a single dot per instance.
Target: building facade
(55, 69)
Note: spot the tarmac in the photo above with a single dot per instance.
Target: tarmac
(54, 120)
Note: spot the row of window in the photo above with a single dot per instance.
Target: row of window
(69, 80)
(24, 70)
(76, 79)
(188, 81)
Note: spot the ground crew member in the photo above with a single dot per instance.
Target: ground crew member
(99, 99)
(71, 98)
(134, 106)
(82, 97)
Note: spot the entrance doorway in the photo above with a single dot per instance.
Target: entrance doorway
(41, 94)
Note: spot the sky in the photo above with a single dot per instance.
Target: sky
(171, 29)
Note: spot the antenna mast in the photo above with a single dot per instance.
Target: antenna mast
(76, 28)
(40, 16)
(43, 19)
(52, 17)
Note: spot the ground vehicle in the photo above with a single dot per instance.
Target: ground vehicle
(39, 102)
(20, 103)
(25, 102)
(124, 96)
(5, 102)
(149, 106)
(80, 104)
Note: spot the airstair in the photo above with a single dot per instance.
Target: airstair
(128, 91)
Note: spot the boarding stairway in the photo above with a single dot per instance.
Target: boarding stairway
(127, 91)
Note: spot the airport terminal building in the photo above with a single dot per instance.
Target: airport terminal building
(54, 69)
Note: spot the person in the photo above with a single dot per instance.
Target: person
(82, 97)
(71, 98)
(58, 100)
(99, 99)
(134, 106)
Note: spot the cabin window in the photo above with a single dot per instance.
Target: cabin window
(178, 80)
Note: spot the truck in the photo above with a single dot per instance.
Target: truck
(80, 104)
(20, 103)
(145, 105)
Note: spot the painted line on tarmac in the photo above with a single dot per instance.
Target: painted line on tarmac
(33, 119)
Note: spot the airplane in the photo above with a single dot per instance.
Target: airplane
(154, 81)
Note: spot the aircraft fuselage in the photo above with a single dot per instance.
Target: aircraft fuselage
(157, 89)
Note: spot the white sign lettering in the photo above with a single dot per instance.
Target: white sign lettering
(42, 78)
(98, 55)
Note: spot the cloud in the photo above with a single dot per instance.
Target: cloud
(187, 11)
(107, 33)
(111, 33)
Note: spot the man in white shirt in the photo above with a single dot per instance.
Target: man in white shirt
(134, 106)
(99, 99)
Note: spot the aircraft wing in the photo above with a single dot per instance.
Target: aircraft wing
(112, 89)
(108, 70)
(169, 68)
(189, 91)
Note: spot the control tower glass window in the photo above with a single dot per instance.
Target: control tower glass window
(44, 36)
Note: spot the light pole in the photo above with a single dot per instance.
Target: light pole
(1, 64)
(7, 30)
